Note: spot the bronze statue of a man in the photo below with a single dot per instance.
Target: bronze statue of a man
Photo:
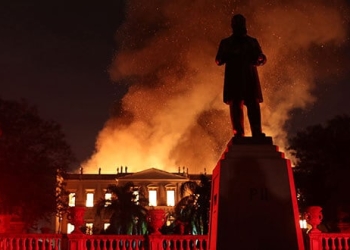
(241, 54)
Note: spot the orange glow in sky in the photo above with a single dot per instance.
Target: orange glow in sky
(173, 114)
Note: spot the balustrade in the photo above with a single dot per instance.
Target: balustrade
(30, 242)
(317, 241)
(102, 242)
(324, 241)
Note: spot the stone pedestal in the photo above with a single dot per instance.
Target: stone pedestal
(253, 202)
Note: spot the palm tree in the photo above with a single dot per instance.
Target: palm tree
(192, 212)
(125, 212)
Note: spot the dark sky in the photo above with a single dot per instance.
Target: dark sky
(56, 55)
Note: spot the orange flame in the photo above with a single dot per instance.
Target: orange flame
(173, 115)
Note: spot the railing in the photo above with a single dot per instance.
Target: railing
(315, 241)
(329, 241)
(106, 242)
(102, 242)
(31, 242)
(178, 242)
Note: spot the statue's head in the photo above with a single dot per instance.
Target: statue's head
(238, 25)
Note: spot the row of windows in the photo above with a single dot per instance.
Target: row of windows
(89, 226)
(152, 197)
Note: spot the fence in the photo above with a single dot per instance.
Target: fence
(315, 241)
(102, 242)
(31, 242)
(329, 241)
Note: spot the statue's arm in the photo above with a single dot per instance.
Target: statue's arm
(261, 60)
(220, 56)
(260, 56)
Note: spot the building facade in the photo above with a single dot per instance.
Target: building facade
(162, 191)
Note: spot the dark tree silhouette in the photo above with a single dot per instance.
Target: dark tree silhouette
(32, 152)
(125, 211)
(192, 211)
(323, 164)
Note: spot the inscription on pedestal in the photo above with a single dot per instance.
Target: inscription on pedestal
(258, 194)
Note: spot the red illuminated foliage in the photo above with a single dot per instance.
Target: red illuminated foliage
(32, 150)
(323, 167)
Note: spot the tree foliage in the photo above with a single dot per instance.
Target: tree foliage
(323, 160)
(125, 211)
(32, 152)
(193, 209)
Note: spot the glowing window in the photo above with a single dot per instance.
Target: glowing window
(152, 197)
(105, 226)
(108, 198)
(71, 200)
(137, 196)
(170, 198)
(89, 227)
(170, 220)
(303, 224)
(70, 228)
(89, 199)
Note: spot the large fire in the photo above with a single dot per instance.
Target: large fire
(172, 115)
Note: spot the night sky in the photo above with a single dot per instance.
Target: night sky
(57, 55)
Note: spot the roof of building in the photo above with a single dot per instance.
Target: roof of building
(153, 173)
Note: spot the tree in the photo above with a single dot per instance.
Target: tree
(193, 209)
(125, 210)
(323, 164)
(33, 154)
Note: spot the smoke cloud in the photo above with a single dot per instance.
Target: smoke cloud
(173, 115)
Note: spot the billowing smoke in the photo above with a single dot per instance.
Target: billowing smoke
(173, 115)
